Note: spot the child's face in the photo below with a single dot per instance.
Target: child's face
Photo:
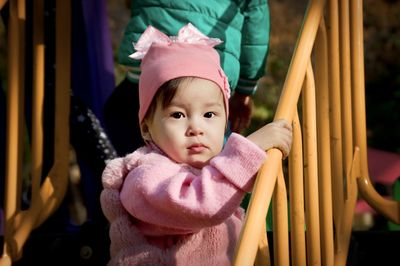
(191, 128)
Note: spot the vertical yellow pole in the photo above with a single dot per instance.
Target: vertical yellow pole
(311, 170)
(335, 110)
(15, 103)
(280, 222)
(324, 158)
(357, 47)
(37, 96)
(347, 144)
(296, 196)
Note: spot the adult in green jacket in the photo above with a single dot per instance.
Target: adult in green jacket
(244, 26)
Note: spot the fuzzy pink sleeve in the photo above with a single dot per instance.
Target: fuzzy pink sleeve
(112, 178)
(123, 234)
(171, 196)
(239, 161)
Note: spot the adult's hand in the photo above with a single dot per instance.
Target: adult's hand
(240, 110)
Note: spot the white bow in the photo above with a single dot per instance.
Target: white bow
(187, 34)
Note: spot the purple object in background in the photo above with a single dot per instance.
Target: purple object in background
(92, 55)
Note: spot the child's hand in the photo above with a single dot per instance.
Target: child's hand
(277, 134)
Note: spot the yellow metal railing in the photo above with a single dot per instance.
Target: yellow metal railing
(328, 160)
(47, 194)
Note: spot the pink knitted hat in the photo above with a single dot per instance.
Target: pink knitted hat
(190, 54)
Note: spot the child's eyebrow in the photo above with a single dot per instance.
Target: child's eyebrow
(175, 104)
(214, 104)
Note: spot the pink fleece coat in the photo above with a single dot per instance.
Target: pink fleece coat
(164, 213)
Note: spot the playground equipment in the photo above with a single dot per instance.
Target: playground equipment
(47, 194)
(328, 159)
(329, 152)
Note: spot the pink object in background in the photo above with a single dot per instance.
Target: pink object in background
(384, 168)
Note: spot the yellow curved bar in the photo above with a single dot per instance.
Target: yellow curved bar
(389, 208)
(55, 185)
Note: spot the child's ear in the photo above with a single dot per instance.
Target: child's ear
(144, 130)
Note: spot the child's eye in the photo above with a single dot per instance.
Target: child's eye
(209, 114)
(177, 115)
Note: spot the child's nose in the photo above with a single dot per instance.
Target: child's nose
(195, 128)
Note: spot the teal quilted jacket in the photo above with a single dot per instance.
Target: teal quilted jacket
(244, 27)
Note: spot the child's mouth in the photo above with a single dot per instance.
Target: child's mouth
(197, 148)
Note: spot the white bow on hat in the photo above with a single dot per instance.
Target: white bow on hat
(187, 34)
